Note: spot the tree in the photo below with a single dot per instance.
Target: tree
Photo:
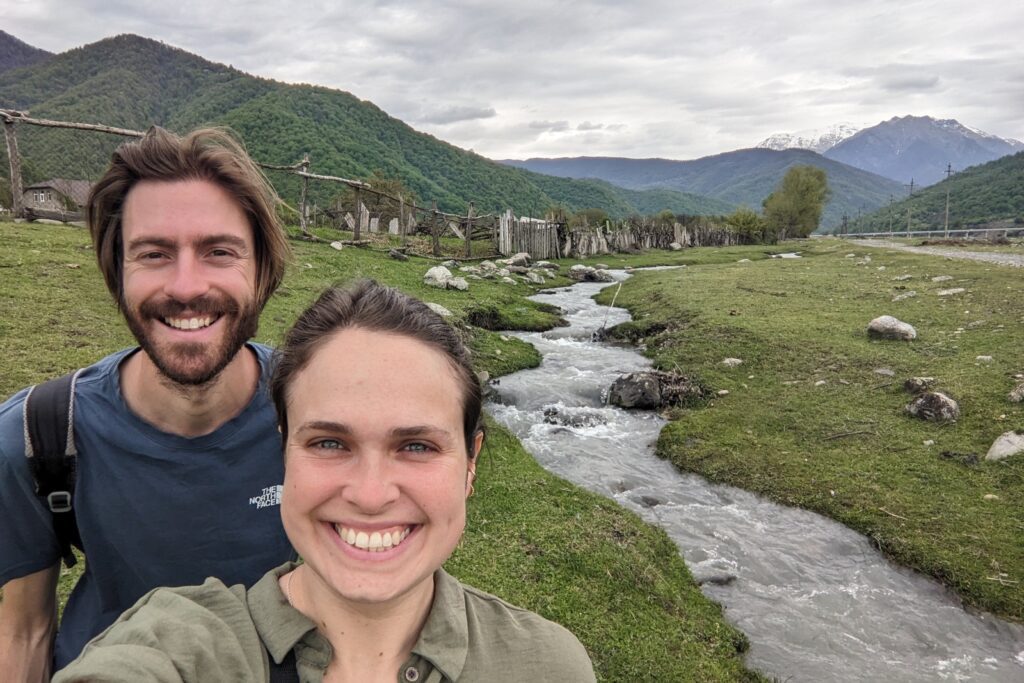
(794, 208)
(751, 228)
(588, 217)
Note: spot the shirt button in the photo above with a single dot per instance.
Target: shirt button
(412, 674)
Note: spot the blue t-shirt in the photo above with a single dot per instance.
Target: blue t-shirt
(153, 509)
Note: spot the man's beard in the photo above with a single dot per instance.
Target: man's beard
(193, 363)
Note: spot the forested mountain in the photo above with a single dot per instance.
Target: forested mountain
(745, 176)
(990, 193)
(15, 54)
(132, 82)
(919, 148)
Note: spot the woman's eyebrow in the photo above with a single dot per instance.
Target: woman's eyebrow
(419, 430)
(325, 426)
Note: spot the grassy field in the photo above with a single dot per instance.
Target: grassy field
(532, 538)
(810, 421)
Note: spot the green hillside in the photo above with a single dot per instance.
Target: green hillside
(989, 193)
(132, 82)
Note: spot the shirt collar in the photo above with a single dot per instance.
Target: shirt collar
(444, 640)
(279, 624)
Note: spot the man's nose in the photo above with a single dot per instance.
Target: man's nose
(187, 280)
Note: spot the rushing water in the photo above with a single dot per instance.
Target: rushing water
(817, 602)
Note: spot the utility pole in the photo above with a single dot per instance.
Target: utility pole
(949, 172)
(911, 186)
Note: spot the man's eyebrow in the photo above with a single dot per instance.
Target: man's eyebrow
(143, 242)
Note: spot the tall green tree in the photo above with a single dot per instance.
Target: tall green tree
(794, 208)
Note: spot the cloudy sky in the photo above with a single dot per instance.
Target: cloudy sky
(670, 78)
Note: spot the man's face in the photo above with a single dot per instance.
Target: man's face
(189, 278)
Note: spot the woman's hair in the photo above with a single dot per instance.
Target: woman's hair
(210, 154)
(370, 306)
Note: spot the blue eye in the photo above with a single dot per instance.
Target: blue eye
(329, 444)
(418, 447)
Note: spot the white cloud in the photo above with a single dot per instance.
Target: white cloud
(676, 79)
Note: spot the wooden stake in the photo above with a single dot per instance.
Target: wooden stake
(435, 232)
(15, 162)
(359, 214)
(469, 231)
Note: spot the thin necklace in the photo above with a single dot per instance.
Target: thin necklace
(288, 588)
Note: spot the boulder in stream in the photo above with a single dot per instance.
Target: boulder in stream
(654, 389)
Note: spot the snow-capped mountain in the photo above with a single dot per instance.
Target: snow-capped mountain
(920, 148)
(816, 140)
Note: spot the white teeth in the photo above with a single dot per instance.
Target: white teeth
(189, 323)
(373, 542)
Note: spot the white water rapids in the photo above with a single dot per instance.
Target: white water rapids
(817, 602)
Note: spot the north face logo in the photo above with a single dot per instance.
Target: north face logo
(271, 496)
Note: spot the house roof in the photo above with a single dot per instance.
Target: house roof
(75, 190)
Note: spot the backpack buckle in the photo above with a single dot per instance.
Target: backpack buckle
(59, 501)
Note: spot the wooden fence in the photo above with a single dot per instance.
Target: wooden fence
(505, 234)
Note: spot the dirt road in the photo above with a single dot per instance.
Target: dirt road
(1002, 259)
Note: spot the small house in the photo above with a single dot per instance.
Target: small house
(57, 194)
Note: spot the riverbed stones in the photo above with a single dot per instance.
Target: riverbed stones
(578, 417)
(1008, 443)
(583, 273)
(442, 278)
(934, 406)
(520, 259)
(535, 277)
(653, 389)
(888, 327)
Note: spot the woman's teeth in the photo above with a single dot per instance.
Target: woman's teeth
(376, 541)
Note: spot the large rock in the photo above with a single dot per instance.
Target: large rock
(458, 283)
(520, 259)
(917, 385)
(535, 277)
(583, 273)
(439, 309)
(547, 265)
(636, 390)
(1009, 443)
(438, 276)
(675, 246)
(934, 406)
(888, 327)
(654, 389)
(1017, 395)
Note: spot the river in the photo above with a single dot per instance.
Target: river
(816, 601)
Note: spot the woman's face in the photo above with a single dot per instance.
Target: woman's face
(376, 472)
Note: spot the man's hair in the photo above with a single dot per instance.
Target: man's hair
(210, 154)
(370, 306)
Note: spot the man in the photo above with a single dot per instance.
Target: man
(179, 459)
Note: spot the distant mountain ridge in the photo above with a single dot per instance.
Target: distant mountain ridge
(15, 53)
(745, 176)
(816, 140)
(134, 82)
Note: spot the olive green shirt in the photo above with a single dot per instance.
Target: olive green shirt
(216, 633)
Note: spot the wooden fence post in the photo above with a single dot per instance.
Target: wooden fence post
(401, 219)
(359, 214)
(302, 197)
(469, 231)
(435, 231)
(15, 162)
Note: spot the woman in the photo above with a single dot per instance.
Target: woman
(381, 417)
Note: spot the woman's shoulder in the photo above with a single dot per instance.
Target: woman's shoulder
(513, 639)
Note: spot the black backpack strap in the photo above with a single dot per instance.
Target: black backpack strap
(285, 672)
(50, 447)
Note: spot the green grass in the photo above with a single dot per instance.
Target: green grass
(846, 448)
(532, 538)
